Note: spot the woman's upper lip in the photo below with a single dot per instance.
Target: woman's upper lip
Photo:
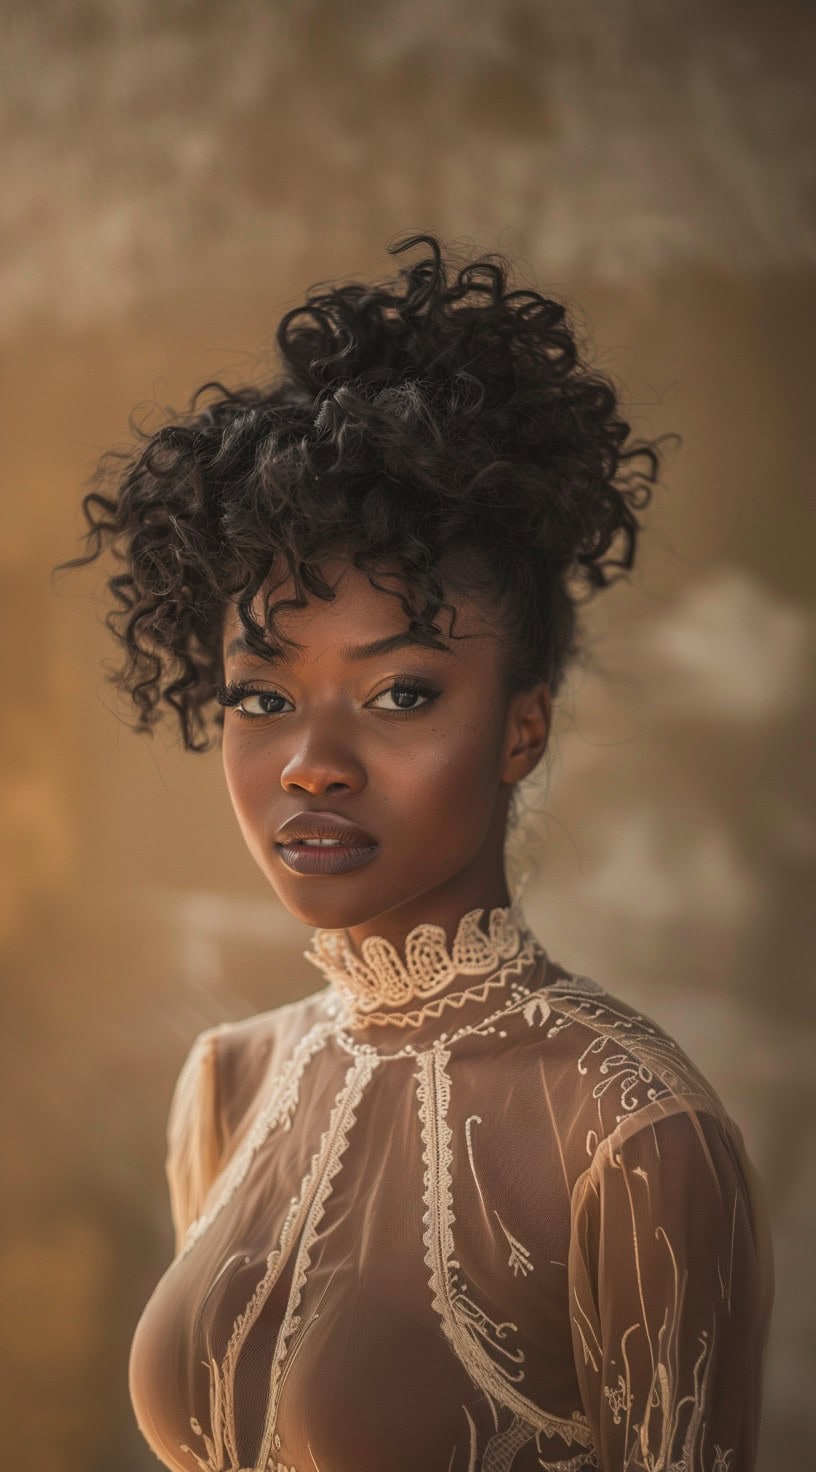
(322, 825)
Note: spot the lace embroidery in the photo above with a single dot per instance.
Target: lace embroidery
(303, 1218)
(381, 977)
(519, 1259)
(500, 1451)
(280, 1466)
(584, 1462)
(646, 1073)
(278, 1110)
(619, 1399)
(519, 995)
(326, 1163)
(519, 1255)
(647, 1442)
(451, 999)
(464, 1323)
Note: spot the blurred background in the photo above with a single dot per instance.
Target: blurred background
(176, 176)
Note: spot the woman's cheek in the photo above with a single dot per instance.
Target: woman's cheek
(249, 781)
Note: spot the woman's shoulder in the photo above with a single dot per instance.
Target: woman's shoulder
(248, 1050)
(623, 1067)
(263, 1030)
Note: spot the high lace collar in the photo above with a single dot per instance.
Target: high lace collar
(381, 976)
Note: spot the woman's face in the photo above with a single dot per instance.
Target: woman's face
(427, 772)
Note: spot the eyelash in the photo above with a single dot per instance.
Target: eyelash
(235, 691)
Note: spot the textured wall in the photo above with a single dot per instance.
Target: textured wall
(175, 175)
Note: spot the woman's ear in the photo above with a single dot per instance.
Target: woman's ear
(528, 728)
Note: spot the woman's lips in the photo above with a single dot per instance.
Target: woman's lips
(326, 858)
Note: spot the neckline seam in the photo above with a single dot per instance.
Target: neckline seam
(444, 1041)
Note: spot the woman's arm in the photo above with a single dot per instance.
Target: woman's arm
(671, 1282)
(194, 1133)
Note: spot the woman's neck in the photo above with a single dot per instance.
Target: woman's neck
(443, 906)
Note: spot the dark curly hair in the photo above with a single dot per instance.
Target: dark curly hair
(409, 426)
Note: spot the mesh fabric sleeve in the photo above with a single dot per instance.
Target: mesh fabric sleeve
(671, 1282)
(194, 1134)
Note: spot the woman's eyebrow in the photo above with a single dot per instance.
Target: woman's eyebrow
(401, 640)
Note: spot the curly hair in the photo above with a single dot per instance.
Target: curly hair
(407, 428)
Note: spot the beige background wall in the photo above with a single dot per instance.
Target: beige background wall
(175, 176)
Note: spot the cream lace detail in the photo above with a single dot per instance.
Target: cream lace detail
(326, 1162)
(517, 996)
(280, 1110)
(478, 992)
(479, 1342)
(381, 977)
(297, 1234)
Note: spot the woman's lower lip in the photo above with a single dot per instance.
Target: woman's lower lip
(331, 859)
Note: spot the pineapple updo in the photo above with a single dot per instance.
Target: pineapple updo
(412, 424)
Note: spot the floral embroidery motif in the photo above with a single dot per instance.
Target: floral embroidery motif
(537, 1006)
(653, 1067)
(618, 1400)
(519, 1259)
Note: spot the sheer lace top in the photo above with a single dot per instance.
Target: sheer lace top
(532, 1240)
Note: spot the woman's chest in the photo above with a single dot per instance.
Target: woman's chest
(381, 1285)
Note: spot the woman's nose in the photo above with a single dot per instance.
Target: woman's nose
(309, 771)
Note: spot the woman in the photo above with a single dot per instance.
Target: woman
(459, 1208)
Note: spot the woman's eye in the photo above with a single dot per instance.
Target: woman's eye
(407, 697)
(252, 702)
(262, 703)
